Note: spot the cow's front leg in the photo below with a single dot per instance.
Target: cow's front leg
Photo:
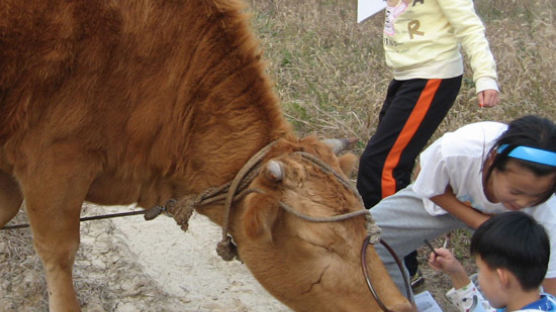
(54, 188)
(56, 243)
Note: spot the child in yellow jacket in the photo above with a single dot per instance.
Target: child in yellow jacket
(423, 40)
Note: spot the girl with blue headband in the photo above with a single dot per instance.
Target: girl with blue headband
(469, 175)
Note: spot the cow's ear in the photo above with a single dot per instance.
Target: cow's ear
(347, 163)
(262, 210)
(260, 216)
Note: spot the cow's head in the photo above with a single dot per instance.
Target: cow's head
(307, 265)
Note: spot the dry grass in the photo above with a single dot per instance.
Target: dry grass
(331, 76)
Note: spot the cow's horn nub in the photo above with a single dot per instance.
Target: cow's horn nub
(339, 145)
(274, 170)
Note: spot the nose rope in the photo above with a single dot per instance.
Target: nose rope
(368, 280)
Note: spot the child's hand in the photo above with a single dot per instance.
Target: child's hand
(445, 262)
(488, 98)
(448, 264)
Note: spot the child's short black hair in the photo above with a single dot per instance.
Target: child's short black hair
(516, 242)
(532, 131)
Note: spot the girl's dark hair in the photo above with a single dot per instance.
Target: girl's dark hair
(516, 242)
(532, 131)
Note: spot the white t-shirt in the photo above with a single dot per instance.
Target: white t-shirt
(456, 159)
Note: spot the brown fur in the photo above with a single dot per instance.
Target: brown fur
(117, 102)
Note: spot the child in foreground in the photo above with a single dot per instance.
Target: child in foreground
(511, 251)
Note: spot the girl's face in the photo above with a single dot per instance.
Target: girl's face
(490, 284)
(518, 187)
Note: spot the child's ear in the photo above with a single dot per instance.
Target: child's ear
(489, 160)
(505, 277)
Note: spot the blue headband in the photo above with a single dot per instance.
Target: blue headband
(531, 154)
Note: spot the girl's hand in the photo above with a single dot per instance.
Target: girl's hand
(448, 264)
(488, 98)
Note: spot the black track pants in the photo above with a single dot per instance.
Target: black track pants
(411, 112)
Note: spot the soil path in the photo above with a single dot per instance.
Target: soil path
(129, 264)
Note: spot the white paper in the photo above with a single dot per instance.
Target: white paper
(368, 8)
(426, 303)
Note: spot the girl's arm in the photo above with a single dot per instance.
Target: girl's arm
(470, 32)
(467, 214)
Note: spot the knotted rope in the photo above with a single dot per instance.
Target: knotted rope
(227, 194)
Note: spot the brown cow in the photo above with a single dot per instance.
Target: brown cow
(126, 101)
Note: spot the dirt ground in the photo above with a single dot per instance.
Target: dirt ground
(128, 264)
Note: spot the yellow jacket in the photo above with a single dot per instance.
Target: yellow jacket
(422, 39)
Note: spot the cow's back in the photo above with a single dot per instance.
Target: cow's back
(144, 86)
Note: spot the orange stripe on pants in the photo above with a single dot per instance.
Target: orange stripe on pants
(408, 132)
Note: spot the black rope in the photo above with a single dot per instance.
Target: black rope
(106, 216)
